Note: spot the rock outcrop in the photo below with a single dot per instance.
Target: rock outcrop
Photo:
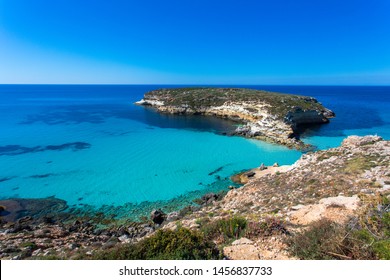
(269, 116)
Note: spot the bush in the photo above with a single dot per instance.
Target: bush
(316, 243)
(224, 230)
(181, 244)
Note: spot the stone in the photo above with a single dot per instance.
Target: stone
(242, 241)
(36, 252)
(275, 164)
(297, 207)
(173, 216)
(41, 233)
(351, 203)
(124, 238)
(356, 141)
(337, 209)
(250, 174)
(72, 246)
(262, 167)
(242, 252)
(158, 216)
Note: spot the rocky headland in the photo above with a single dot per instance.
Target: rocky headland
(331, 204)
(269, 116)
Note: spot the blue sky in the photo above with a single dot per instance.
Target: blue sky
(333, 42)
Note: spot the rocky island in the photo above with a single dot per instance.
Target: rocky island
(269, 116)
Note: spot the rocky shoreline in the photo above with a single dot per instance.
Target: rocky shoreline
(334, 184)
(268, 116)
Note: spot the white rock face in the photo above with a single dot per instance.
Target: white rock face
(150, 102)
(350, 203)
(334, 208)
(356, 141)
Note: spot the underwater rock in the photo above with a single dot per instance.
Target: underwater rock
(14, 150)
(18, 208)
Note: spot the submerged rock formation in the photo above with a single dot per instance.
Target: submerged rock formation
(269, 116)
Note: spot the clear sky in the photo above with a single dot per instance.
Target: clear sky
(290, 42)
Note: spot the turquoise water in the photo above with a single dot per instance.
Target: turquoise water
(92, 147)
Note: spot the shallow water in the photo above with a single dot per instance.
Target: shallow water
(90, 146)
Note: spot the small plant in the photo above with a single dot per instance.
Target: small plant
(30, 245)
(360, 164)
(225, 230)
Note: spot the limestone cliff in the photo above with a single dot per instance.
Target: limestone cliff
(270, 116)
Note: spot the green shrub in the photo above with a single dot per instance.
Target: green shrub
(382, 249)
(181, 244)
(224, 230)
(317, 242)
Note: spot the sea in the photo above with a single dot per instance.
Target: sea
(91, 146)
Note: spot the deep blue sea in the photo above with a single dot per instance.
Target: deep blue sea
(92, 147)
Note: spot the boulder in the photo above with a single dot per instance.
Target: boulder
(241, 252)
(158, 216)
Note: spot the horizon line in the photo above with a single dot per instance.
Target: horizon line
(186, 84)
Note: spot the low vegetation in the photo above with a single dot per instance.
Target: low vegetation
(224, 230)
(180, 244)
(360, 164)
(185, 244)
(206, 97)
(365, 237)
